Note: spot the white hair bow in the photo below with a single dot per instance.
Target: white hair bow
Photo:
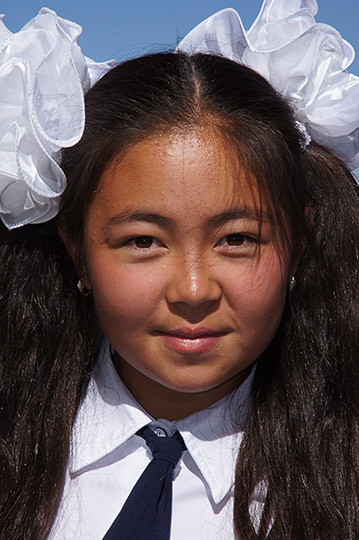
(43, 77)
(304, 60)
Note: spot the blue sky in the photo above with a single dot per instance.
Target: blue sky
(124, 28)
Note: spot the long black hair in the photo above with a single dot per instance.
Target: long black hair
(301, 445)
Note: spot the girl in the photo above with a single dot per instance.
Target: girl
(201, 273)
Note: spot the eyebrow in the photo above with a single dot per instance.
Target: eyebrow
(134, 217)
(238, 213)
(163, 221)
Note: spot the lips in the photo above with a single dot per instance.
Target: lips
(191, 340)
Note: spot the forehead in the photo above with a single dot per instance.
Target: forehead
(181, 169)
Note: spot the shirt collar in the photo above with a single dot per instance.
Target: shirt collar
(212, 437)
(109, 416)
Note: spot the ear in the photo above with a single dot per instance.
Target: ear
(73, 250)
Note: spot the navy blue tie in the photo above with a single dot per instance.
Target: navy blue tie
(146, 514)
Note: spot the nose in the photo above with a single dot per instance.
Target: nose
(193, 283)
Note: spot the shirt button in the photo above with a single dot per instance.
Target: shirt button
(160, 432)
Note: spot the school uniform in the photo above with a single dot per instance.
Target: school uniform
(107, 458)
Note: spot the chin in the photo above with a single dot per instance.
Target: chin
(193, 385)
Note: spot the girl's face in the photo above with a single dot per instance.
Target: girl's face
(185, 290)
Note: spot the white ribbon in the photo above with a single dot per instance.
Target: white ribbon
(304, 60)
(43, 77)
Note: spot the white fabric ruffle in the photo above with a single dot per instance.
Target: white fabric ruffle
(43, 77)
(304, 60)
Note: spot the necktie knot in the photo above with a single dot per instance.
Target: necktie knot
(163, 448)
(146, 514)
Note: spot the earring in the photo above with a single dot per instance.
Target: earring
(81, 287)
(292, 283)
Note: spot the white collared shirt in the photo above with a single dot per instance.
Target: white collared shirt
(107, 458)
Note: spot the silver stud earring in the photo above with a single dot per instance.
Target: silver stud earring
(82, 288)
(292, 283)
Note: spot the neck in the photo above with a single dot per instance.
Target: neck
(163, 402)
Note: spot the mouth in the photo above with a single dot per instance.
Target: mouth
(191, 340)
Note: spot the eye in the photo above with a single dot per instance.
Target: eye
(237, 245)
(235, 239)
(142, 242)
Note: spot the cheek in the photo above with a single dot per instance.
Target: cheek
(259, 294)
(123, 294)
